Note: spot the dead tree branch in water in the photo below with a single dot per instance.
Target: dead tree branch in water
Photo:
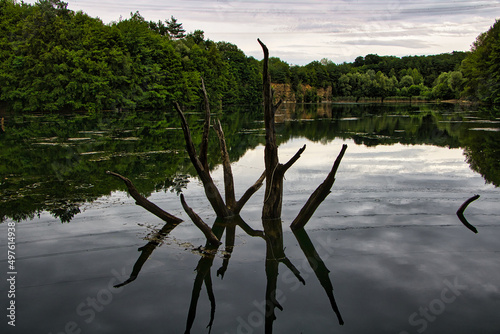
(460, 213)
(226, 165)
(207, 231)
(228, 209)
(275, 172)
(144, 202)
(200, 164)
(318, 196)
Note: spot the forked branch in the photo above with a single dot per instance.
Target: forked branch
(211, 191)
(248, 194)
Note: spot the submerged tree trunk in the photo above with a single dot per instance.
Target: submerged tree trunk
(275, 171)
(228, 209)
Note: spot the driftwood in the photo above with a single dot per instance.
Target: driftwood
(460, 213)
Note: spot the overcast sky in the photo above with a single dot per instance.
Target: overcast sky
(302, 31)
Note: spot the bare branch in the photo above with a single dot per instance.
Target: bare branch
(226, 164)
(264, 48)
(250, 191)
(318, 195)
(271, 151)
(460, 213)
(274, 183)
(211, 190)
(189, 142)
(290, 162)
(145, 203)
(207, 231)
(206, 129)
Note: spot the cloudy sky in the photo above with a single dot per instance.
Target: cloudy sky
(300, 31)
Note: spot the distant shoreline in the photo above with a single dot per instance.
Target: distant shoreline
(378, 101)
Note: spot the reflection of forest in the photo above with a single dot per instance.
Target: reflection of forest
(477, 131)
(54, 162)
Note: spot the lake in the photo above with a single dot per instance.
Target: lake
(384, 253)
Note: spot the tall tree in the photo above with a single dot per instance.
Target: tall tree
(481, 68)
(175, 29)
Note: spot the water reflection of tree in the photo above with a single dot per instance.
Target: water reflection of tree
(45, 171)
(483, 155)
(275, 255)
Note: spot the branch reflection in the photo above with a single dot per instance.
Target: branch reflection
(275, 254)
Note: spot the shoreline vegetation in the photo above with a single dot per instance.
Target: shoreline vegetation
(284, 92)
(53, 59)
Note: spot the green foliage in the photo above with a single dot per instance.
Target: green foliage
(448, 85)
(372, 76)
(481, 68)
(54, 59)
(369, 84)
(55, 162)
(279, 70)
(175, 29)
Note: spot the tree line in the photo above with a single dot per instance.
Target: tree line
(473, 75)
(55, 59)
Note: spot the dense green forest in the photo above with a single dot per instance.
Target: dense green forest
(55, 59)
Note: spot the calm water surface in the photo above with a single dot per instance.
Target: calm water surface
(384, 253)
